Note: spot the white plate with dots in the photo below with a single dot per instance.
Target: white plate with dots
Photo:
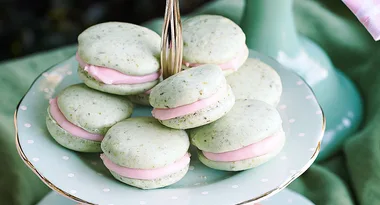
(83, 178)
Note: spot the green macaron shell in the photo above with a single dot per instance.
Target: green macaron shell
(68, 140)
(256, 80)
(143, 143)
(120, 89)
(128, 48)
(242, 164)
(211, 39)
(140, 99)
(187, 87)
(248, 122)
(92, 110)
(153, 184)
(204, 116)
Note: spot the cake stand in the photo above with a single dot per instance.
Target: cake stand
(284, 197)
(83, 178)
(269, 27)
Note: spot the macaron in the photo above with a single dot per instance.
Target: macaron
(119, 58)
(140, 99)
(192, 98)
(79, 117)
(212, 39)
(143, 153)
(256, 80)
(248, 136)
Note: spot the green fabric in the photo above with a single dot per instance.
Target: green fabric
(350, 177)
(18, 184)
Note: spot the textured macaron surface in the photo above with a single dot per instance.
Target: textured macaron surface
(93, 110)
(256, 80)
(188, 86)
(143, 143)
(248, 122)
(128, 48)
(211, 39)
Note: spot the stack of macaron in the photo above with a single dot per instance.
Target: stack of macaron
(224, 100)
(119, 63)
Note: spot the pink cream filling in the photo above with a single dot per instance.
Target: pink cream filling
(233, 64)
(113, 77)
(254, 150)
(146, 174)
(57, 115)
(170, 113)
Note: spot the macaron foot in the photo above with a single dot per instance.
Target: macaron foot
(242, 164)
(69, 141)
(153, 184)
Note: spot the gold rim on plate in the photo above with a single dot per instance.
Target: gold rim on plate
(256, 199)
(30, 165)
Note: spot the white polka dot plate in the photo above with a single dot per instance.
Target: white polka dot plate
(83, 178)
(284, 197)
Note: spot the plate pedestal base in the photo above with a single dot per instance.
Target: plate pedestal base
(284, 197)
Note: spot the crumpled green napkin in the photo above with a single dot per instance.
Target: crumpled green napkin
(350, 177)
(18, 184)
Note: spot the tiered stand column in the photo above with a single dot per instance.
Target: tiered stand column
(270, 29)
